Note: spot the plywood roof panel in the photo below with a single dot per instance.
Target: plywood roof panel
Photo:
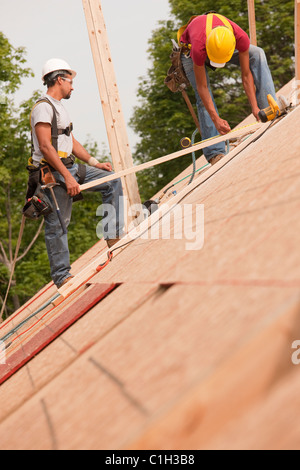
(192, 348)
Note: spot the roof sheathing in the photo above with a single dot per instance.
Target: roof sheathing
(187, 333)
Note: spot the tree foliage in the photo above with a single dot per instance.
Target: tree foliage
(161, 119)
(15, 144)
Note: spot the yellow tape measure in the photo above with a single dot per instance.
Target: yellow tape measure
(186, 141)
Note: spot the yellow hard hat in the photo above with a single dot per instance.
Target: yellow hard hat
(220, 45)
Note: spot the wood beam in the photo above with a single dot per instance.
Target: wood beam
(194, 148)
(110, 100)
(252, 23)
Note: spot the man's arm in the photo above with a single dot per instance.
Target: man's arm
(80, 152)
(43, 133)
(248, 82)
(222, 126)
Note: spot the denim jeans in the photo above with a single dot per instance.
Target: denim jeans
(113, 222)
(263, 85)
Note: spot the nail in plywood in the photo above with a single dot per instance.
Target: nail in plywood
(111, 105)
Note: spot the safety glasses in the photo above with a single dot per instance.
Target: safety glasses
(67, 80)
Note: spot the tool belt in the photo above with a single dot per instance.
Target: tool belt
(34, 178)
(176, 79)
(37, 203)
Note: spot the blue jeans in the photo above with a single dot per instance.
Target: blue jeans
(263, 84)
(113, 222)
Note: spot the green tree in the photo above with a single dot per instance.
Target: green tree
(14, 145)
(161, 119)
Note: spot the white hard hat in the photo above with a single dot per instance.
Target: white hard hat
(53, 65)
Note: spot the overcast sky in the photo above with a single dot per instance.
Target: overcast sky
(58, 29)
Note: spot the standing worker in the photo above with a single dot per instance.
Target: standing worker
(211, 40)
(58, 77)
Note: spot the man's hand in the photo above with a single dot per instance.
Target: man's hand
(104, 166)
(255, 112)
(73, 187)
(222, 126)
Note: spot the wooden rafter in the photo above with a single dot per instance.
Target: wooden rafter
(252, 23)
(110, 100)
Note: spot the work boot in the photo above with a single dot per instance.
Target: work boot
(65, 281)
(216, 158)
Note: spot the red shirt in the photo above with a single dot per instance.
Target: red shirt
(195, 34)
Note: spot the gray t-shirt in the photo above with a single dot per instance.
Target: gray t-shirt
(43, 112)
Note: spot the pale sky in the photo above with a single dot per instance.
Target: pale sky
(58, 29)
